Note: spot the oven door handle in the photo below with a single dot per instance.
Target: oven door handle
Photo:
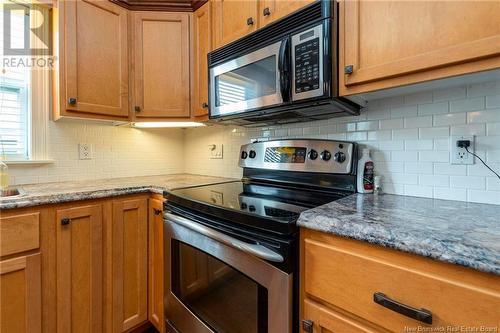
(256, 250)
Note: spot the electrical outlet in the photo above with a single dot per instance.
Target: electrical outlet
(460, 155)
(85, 151)
(216, 151)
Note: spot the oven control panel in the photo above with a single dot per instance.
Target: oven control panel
(300, 155)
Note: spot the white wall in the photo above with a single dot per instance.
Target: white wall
(409, 136)
(118, 152)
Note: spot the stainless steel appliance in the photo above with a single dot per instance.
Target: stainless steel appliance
(285, 72)
(231, 249)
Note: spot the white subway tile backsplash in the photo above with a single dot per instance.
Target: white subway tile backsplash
(491, 197)
(419, 191)
(479, 169)
(450, 193)
(404, 111)
(470, 129)
(434, 132)
(450, 169)
(401, 178)
(391, 145)
(430, 109)
(493, 183)
(417, 122)
(357, 136)
(478, 183)
(484, 89)
(404, 156)
(450, 119)
(433, 156)
(493, 155)
(470, 104)
(367, 126)
(418, 167)
(418, 98)
(449, 94)
(380, 135)
(434, 180)
(386, 167)
(493, 101)
(405, 134)
(491, 115)
(391, 123)
(419, 145)
(493, 129)
(442, 144)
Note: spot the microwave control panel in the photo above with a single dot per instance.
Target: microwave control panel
(307, 63)
(307, 66)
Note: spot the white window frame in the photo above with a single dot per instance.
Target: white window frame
(40, 93)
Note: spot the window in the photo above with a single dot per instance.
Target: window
(14, 92)
(24, 92)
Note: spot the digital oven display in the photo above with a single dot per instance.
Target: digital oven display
(285, 155)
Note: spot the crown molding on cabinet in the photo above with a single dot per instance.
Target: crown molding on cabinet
(161, 5)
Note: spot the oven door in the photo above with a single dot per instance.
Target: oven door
(216, 283)
(252, 81)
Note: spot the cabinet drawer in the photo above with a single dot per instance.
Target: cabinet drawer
(19, 233)
(347, 274)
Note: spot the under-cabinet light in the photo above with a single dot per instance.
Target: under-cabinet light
(167, 124)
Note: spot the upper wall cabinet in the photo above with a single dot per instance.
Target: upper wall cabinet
(272, 10)
(385, 44)
(234, 19)
(202, 44)
(161, 59)
(93, 71)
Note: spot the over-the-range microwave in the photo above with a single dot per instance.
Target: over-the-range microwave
(286, 72)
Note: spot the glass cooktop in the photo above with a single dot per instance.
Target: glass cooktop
(240, 201)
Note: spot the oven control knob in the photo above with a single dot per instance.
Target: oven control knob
(244, 155)
(339, 157)
(313, 154)
(243, 206)
(251, 208)
(326, 155)
(252, 154)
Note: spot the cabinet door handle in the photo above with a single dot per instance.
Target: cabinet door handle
(348, 69)
(266, 11)
(422, 315)
(204, 105)
(71, 101)
(157, 211)
(137, 109)
(307, 325)
(250, 21)
(65, 221)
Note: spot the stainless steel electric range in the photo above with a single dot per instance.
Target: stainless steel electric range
(231, 249)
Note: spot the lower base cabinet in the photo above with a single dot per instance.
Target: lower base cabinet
(79, 262)
(20, 294)
(352, 286)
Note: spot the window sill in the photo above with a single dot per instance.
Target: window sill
(27, 162)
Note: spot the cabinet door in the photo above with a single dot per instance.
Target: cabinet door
(130, 263)
(234, 19)
(79, 253)
(324, 320)
(156, 264)
(272, 10)
(392, 43)
(202, 40)
(20, 294)
(161, 65)
(95, 59)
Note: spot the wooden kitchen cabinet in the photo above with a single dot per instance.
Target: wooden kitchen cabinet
(20, 294)
(130, 262)
(386, 44)
(92, 80)
(161, 65)
(156, 264)
(202, 45)
(79, 262)
(272, 10)
(234, 19)
(339, 278)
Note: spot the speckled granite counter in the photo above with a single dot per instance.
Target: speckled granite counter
(461, 233)
(52, 193)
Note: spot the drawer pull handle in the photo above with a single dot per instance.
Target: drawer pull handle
(65, 221)
(307, 325)
(422, 315)
(157, 212)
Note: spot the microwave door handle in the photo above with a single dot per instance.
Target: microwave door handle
(253, 249)
(284, 69)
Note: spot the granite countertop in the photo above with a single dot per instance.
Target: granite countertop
(53, 193)
(462, 233)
